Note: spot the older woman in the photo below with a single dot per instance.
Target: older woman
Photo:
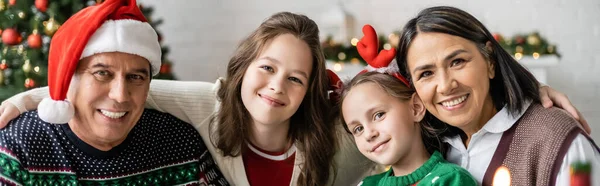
(489, 102)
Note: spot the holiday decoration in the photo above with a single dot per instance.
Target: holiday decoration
(41, 5)
(10, 36)
(381, 61)
(27, 66)
(166, 72)
(27, 28)
(51, 26)
(165, 68)
(522, 45)
(21, 14)
(34, 40)
(1, 78)
(497, 36)
(534, 39)
(580, 173)
(3, 65)
(519, 46)
(346, 51)
(29, 83)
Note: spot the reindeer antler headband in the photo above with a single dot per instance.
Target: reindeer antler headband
(379, 61)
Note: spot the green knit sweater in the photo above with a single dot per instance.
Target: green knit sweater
(436, 171)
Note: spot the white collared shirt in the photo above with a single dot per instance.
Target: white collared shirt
(484, 142)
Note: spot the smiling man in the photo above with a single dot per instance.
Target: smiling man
(102, 60)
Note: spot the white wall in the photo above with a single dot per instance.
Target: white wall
(202, 34)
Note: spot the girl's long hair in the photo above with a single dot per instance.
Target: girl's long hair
(311, 127)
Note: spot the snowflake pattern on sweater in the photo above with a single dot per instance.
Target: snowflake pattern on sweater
(159, 150)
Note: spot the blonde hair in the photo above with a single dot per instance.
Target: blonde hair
(395, 88)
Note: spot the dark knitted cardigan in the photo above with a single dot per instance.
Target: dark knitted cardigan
(534, 147)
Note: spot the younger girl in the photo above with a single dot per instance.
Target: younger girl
(384, 116)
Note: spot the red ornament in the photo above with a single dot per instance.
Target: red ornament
(12, 2)
(34, 41)
(165, 68)
(29, 83)
(41, 5)
(497, 37)
(10, 36)
(520, 40)
(3, 66)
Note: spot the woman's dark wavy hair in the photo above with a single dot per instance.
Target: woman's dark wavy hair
(512, 85)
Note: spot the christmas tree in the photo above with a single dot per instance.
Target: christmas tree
(27, 27)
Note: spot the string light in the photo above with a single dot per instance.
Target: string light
(342, 56)
(354, 41)
(518, 56)
(21, 14)
(337, 67)
(536, 55)
(519, 49)
(387, 46)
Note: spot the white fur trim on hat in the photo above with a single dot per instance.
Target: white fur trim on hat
(127, 36)
(57, 112)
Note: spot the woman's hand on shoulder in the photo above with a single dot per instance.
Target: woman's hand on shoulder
(550, 97)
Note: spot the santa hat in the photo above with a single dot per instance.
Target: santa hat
(112, 26)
